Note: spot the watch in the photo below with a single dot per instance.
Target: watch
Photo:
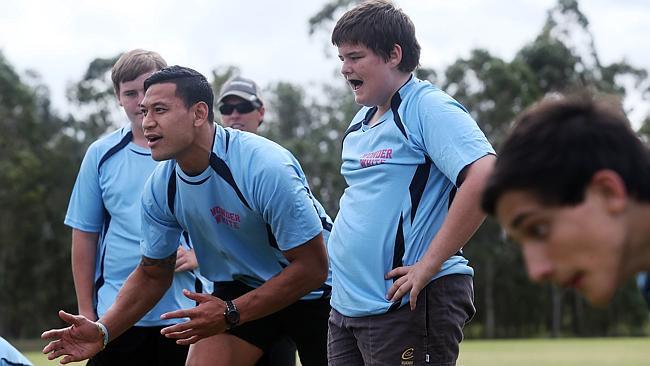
(231, 314)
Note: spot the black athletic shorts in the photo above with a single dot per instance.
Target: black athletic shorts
(304, 321)
(141, 346)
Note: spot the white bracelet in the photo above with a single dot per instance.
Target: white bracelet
(103, 331)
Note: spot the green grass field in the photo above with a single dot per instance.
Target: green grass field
(557, 352)
(525, 352)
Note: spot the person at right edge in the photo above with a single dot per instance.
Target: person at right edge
(415, 163)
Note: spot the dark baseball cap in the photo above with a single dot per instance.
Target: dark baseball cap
(242, 87)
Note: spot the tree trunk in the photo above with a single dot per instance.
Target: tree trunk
(556, 303)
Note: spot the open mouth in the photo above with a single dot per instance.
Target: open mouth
(152, 139)
(355, 84)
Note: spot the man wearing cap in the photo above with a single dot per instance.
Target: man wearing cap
(241, 107)
(240, 104)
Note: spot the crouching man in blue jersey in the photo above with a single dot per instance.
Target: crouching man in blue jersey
(104, 213)
(257, 233)
(415, 163)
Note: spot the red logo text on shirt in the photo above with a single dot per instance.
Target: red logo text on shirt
(375, 157)
(223, 216)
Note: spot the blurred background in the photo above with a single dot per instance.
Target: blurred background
(495, 57)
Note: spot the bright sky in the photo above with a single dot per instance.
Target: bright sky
(269, 40)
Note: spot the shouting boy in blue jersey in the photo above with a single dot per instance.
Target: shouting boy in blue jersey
(245, 203)
(104, 214)
(415, 163)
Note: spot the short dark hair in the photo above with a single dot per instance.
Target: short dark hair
(191, 86)
(558, 145)
(379, 25)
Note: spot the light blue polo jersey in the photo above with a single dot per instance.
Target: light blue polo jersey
(106, 200)
(10, 356)
(401, 175)
(249, 205)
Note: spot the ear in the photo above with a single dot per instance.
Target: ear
(395, 56)
(610, 186)
(200, 110)
(117, 96)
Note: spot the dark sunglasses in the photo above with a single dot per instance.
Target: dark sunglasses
(241, 108)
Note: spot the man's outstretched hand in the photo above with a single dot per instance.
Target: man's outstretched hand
(80, 341)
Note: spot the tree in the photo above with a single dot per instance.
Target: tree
(495, 91)
(94, 98)
(312, 131)
(36, 178)
(41, 154)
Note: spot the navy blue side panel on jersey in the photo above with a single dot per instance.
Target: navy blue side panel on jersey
(272, 241)
(224, 172)
(121, 145)
(394, 105)
(327, 291)
(124, 142)
(398, 252)
(227, 139)
(100, 279)
(358, 125)
(419, 182)
(171, 190)
(398, 255)
(326, 225)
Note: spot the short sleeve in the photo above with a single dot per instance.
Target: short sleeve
(86, 207)
(448, 134)
(282, 197)
(161, 232)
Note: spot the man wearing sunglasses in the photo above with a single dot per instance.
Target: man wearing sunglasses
(241, 107)
(240, 104)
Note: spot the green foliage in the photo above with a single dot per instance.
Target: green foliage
(35, 181)
(493, 90)
(94, 97)
(39, 159)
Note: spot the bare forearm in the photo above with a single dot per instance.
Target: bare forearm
(464, 217)
(84, 249)
(306, 272)
(453, 235)
(141, 291)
